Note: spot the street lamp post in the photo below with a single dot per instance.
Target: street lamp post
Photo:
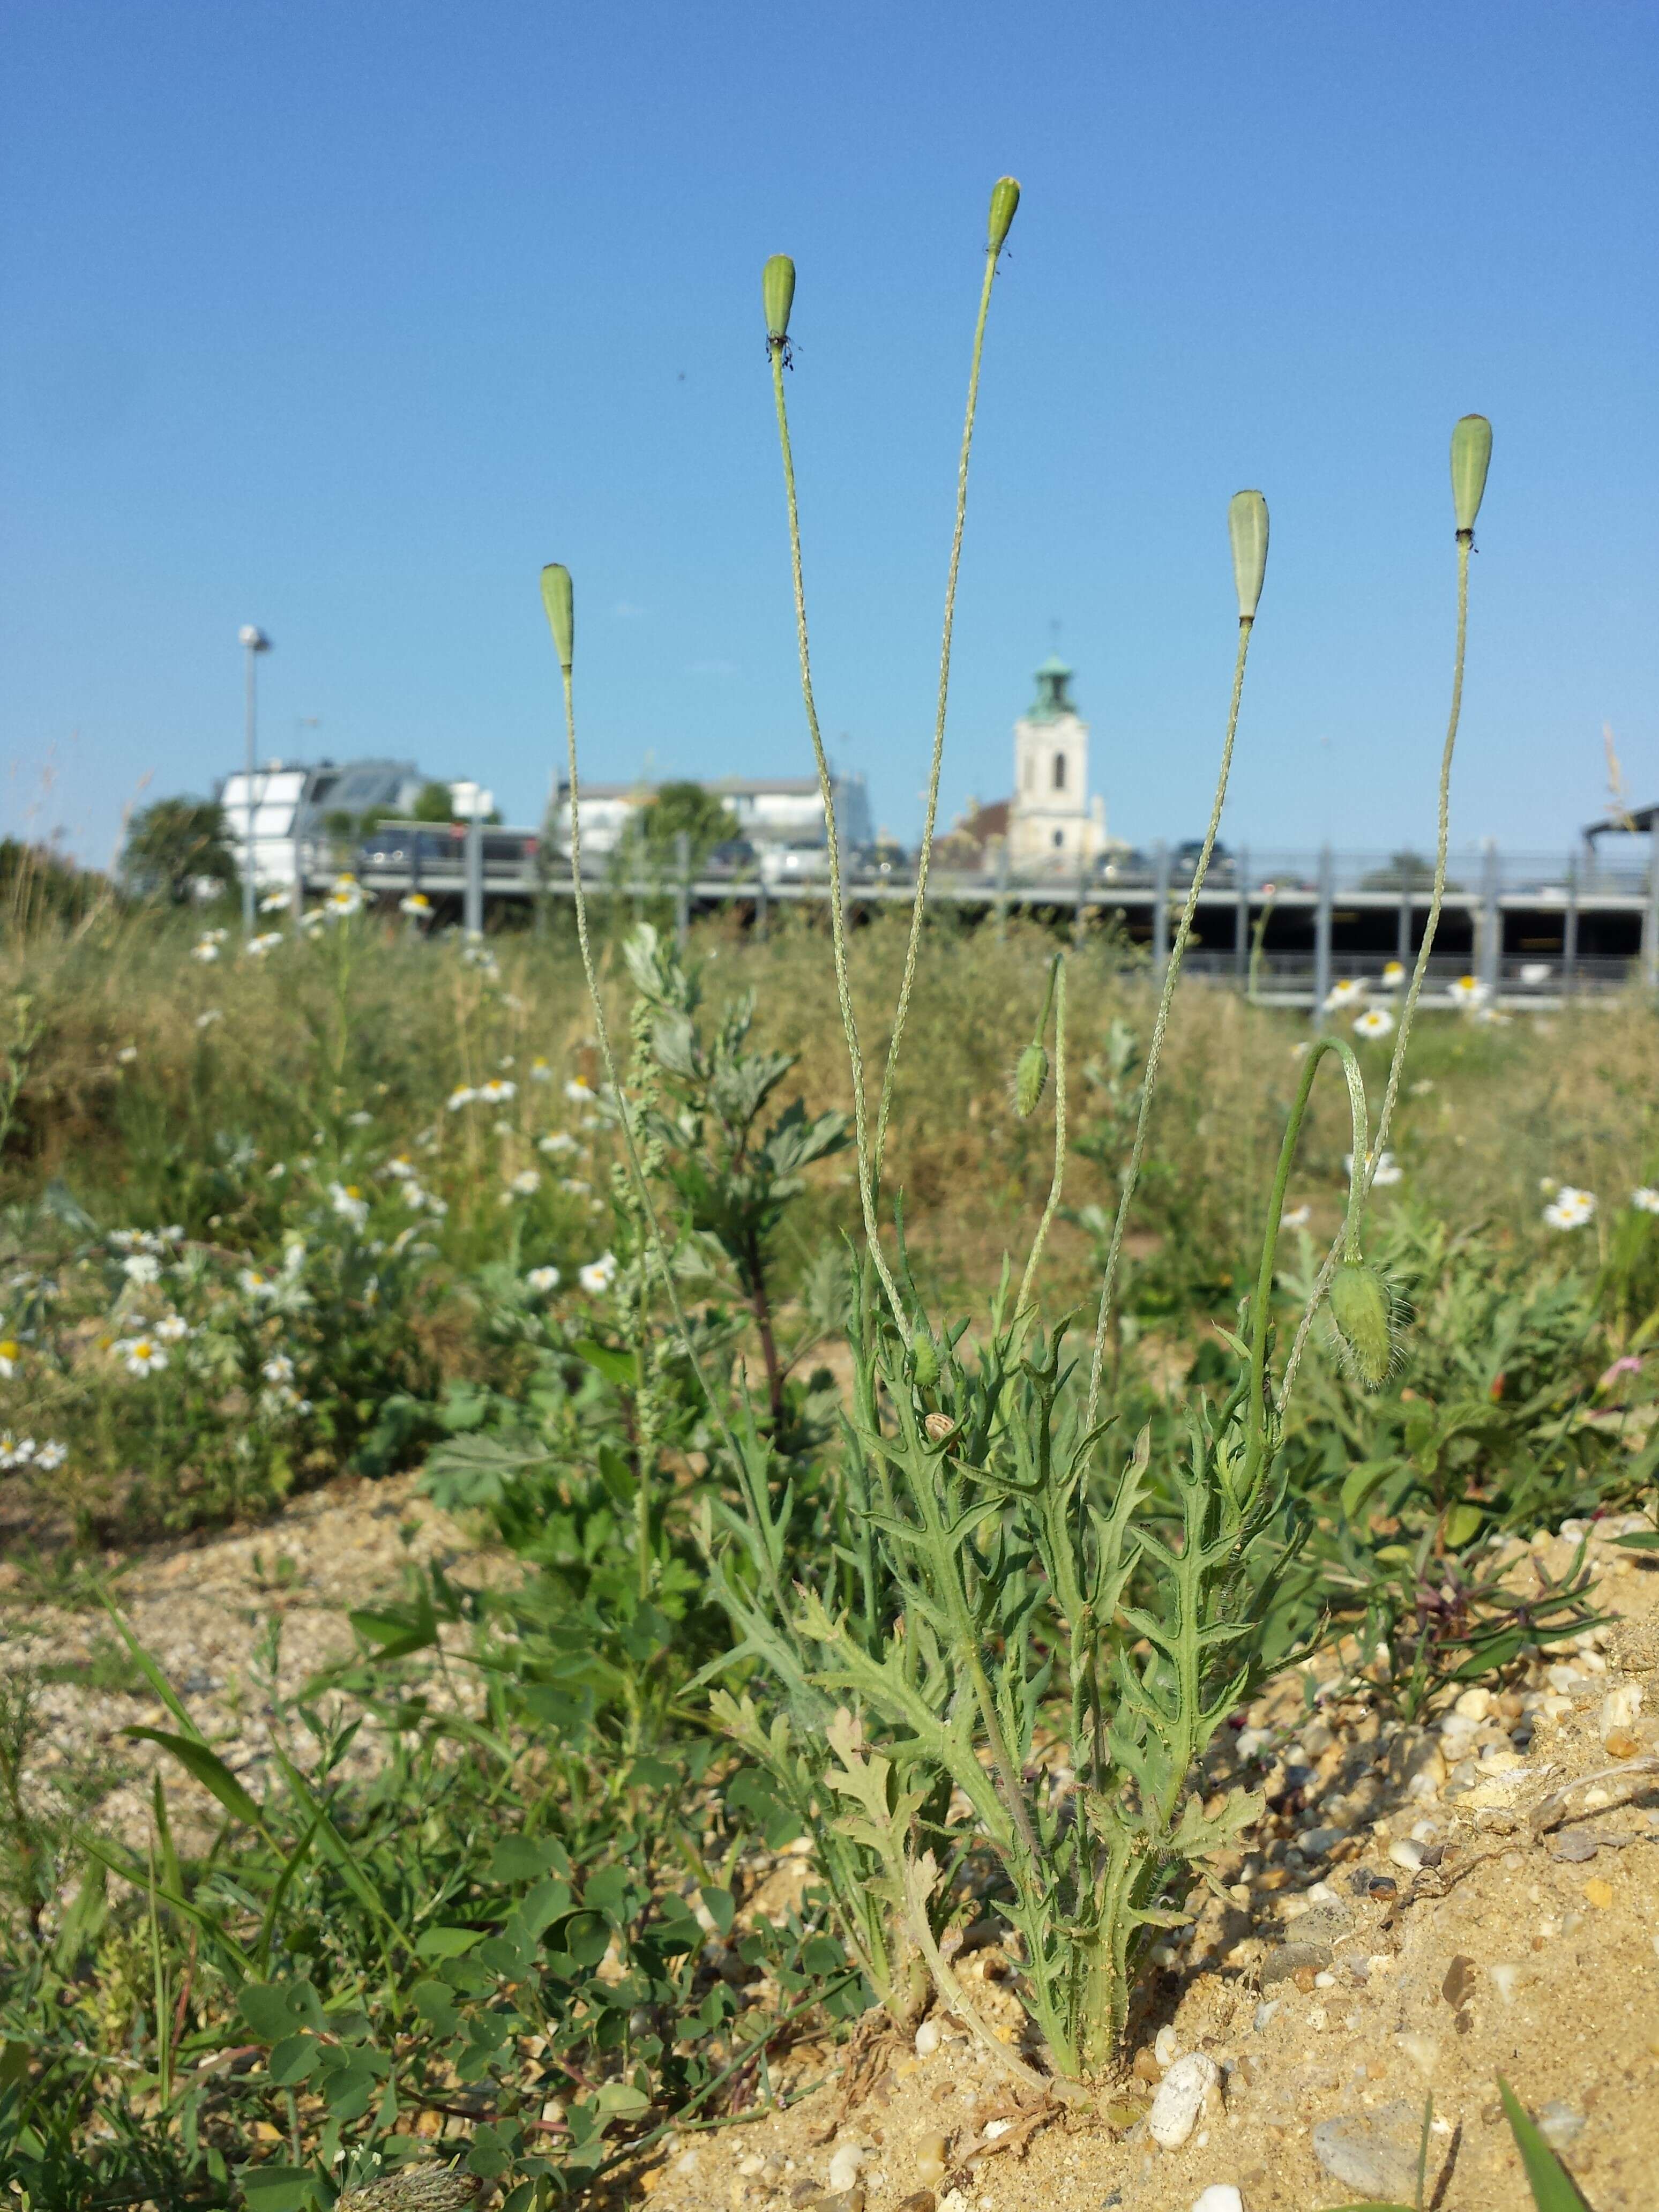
(254, 642)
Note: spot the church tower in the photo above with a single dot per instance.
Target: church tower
(1051, 824)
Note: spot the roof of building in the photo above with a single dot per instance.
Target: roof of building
(1053, 699)
(1639, 819)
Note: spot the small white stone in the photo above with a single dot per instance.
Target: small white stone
(1473, 1705)
(844, 2163)
(1621, 1707)
(1503, 1980)
(1325, 1981)
(994, 2129)
(1407, 1854)
(1424, 1832)
(1251, 1742)
(1219, 2197)
(749, 2167)
(1166, 2047)
(1180, 2098)
(927, 2039)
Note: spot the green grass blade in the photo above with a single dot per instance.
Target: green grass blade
(209, 1770)
(1552, 2189)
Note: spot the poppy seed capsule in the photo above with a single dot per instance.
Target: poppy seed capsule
(1005, 198)
(1030, 1078)
(559, 600)
(925, 1359)
(1246, 527)
(1471, 457)
(778, 294)
(1363, 1312)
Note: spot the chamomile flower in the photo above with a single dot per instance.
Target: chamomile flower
(402, 1166)
(1468, 992)
(1570, 1208)
(557, 1143)
(267, 941)
(578, 1091)
(207, 1018)
(205, 950)
(349, 1202)
(274, 901)
(539, 1070)
(1348, 992)
(1374, 1021)
(344, 899)
(256, 1285)
(312, 919)
(542, 1280)
(1296, 1217)
(575, 1186)
(142, 1354)
(172, 1328)
(463, 1095)
(1646, 1200)
(1387, 1172)
(142, 1268)
(598, 1275)
(16, 1451)
(52, 1456)
(127, 1055)
(12, 1357)
(526, 1183)
(1394, 974)
(279, 1368)
(417, 906)
(495, 1091)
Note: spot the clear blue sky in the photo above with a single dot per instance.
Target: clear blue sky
(343, 316)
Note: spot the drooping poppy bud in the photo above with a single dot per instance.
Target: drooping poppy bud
(778, 295)
(1471, 457)
(1246, 527)
(1005, 198)
(557, 599)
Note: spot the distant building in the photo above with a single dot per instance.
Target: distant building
(1052, 823)
(291, 802)
(785, 810)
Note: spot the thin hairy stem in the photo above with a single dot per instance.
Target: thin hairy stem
(837, 916)
(1057, 992)
(1348, 1241)
(637, 1168)
(1321, 1283)
(1177, 952)
(925, 855)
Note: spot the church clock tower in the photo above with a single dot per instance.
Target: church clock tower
(1051, 824)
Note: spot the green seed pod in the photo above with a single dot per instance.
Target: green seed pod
(778, 294)
(1246, 526)
(558, 600)
(1030, 1079)
(1005, 198)
(1471, 457)
(924, 1358)
(1362, 1311)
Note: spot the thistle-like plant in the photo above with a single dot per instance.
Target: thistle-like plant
(983, 1664)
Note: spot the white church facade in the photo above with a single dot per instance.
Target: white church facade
(1051, 822)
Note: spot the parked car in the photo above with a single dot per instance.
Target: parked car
(795, 864)
(1185, 858)
(732, 860)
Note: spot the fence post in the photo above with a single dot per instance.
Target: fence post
(682, 889)
(1322, 936)
(472, 916)
(1081, 914)
(1002, 889)
(1241, 924)
(1160, 908)
(1650, 920)
(1489, 951)
(1402, 936)
(301, 865)
(1569, 931)
(760, 904)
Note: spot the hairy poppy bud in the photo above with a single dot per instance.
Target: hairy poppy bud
(1363, 1314)
(778, 294)
(1471, 457)
(1030, 1079)
(557, 599)
(924, 1357)
(1005, 198)
(1246, 526)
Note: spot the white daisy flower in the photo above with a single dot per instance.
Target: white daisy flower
(417, 906)
(1570, 1208)
(542, 1280)
(495, 1091)
(127, 1055)
(279, 1368)
(123, 1239)
(142, 1355)
(1347, 993)
(401, 1166)
(539, 1070)
(11, 1355)
(349, 1202)
(463, 1095)
(294, 1257)
(1387, 1172)
(52, 1456)
(1296, 1217)
(526, 1183)
(1374, 1021)
(256, 1285)
(16, 1451)
(267, 941)
(1469, 991)
(599, 1274)
(557, 1143)
(574, 1185)
(1394, 974)
(204, 951)
(1646, 1200)
(312, 919)
(142, 1268)
(172, 1328)
(207, 1018)
(274, 901)
(579, 1092)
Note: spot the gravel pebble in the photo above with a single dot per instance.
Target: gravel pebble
(1375, 2153)
(1180, 2098)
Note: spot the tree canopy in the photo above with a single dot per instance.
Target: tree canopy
(175, 843)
